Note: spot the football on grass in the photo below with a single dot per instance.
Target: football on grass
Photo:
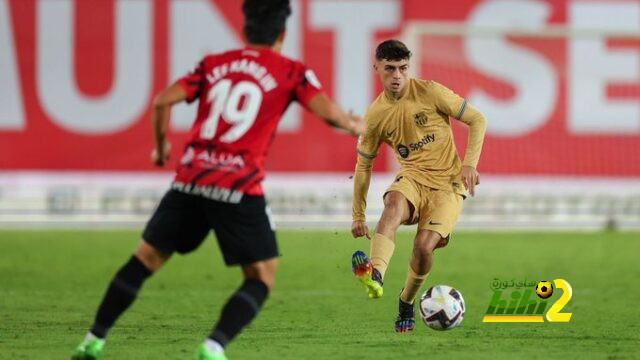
(442, 307)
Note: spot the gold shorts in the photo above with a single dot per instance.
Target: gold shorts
(433, 209)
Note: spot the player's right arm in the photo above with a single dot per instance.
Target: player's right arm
(160, 114)
(187, 88)
(367, 149)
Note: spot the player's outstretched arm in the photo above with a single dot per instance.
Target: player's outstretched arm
(477, 128)
(160, 114)
(323, 107)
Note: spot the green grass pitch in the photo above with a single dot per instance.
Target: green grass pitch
(51, 283)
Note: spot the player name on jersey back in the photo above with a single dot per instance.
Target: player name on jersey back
(242, 95)
(266, 81)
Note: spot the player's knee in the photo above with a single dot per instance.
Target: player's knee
(393, 200)
(150, 257)
(268, 279)
(392, 215)
(425, 245)
(264, 271)
(396, 209)
(422, 249)
(152, 263)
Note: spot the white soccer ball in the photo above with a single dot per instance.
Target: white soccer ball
(442, 307)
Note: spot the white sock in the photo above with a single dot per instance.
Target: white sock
(213, 346)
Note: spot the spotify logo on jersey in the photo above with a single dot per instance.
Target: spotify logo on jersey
(403, 151)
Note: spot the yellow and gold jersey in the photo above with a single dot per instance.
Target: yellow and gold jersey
(418, 129)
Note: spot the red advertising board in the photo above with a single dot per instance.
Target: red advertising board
(562, 96)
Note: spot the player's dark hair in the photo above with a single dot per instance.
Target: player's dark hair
(392, 50)
(264, 20)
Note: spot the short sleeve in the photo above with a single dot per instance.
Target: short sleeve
(307, 86)
(193, 82)
(449, 102)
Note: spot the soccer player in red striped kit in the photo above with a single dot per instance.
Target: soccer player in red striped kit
(241, 96)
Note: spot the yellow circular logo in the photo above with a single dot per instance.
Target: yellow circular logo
(544, 289)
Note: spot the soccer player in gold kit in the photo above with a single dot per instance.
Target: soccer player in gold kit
(412, 116)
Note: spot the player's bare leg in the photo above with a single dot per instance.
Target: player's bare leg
(264, 271)
(152, 258)
(397, 210)
(119, 296)
(424, 244)
(240, 309)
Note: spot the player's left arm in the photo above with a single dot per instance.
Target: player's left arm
(160, 115)
(323, 107)
(458, 108)
(310, 94)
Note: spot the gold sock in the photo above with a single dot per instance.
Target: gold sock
(381, 251)
(412, 285)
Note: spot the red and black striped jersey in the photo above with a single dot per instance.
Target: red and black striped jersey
(242, 95)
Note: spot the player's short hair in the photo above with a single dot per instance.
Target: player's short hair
(264, 20)
(392, 50)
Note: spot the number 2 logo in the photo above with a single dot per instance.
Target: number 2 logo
(554, 313)
(225, 101)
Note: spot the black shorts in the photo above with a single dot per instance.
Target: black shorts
(244, 230)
